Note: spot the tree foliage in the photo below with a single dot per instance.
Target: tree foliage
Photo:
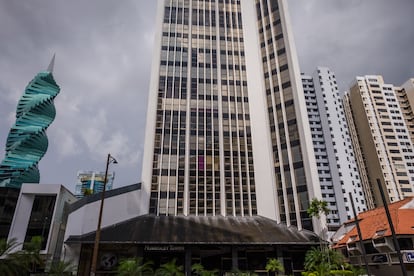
(135, 267)
(61, 268)
(242, 273)
(87, 192)
(317, 208)
(170, 269)
(198, 269)
(323, 260)
(327, 262)
(274, 265)
(20, 262)
(8, 265)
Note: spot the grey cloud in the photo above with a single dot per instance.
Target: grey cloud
(103, 54)
(356, 38)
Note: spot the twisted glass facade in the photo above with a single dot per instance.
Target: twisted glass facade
(27, 142)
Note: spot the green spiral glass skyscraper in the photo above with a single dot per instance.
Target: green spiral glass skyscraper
(27, 142)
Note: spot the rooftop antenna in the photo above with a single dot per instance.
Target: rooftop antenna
(51, 64)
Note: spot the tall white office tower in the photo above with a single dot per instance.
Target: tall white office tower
(227, 132)
(383, 138)
(337, 168)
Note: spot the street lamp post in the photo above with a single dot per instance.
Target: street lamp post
(109, 160)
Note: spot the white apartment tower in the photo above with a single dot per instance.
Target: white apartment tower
(383, 138)
(405, 96)
(337, 168)
(227, 134)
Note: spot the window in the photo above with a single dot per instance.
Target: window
(41, 218)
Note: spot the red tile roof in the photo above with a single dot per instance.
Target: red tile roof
(370, 222)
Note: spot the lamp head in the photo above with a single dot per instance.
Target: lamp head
(112, 160)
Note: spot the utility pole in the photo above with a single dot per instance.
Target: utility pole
(394, 236)
(364, 254)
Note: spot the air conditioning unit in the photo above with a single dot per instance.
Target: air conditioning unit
(354, 248)
(383, 244)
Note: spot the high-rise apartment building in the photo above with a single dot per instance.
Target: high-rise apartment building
(383, 138)
(359, 158)
(337, 168)
(92, 182)
(405, 96)
(226, 131)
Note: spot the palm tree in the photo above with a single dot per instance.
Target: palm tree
(274, 265)
(243, 273)
(31, 253)
(323, 261)
(61, 268)
(22, 261)
(8, 264)
(198, 269)
(316, 209)
(170, 269)
(135, 267)
(7, 246)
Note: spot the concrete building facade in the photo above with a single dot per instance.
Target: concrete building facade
(228, 167)
(337, 168)
(42, 210)
(405, 96)
(225, 135)
(383, 137)
(375, 248)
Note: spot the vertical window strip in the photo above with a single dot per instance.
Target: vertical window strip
(238, 186)
(283, 209)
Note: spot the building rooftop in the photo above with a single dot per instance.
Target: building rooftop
(97, 196)
(374, 223)
(151, 229)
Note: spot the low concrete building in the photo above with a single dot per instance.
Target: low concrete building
(217, 242)
(41, 210)
(377, 239)
(120, 204)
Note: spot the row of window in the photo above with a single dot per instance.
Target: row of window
(202, 17)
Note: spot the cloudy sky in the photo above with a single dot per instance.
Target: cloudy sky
(103, 58)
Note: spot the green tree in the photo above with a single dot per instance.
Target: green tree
(20, 262)
(87, 192)
(317, 208)
(8, 263)
(31, 253)
(170, 269)
(32, 249)
(243, 273)
(274, 265)
(324, 261)
(198, 269)
(135, 267)
(7, 246)
(61, 268)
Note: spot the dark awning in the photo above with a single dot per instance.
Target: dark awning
(150, 229)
